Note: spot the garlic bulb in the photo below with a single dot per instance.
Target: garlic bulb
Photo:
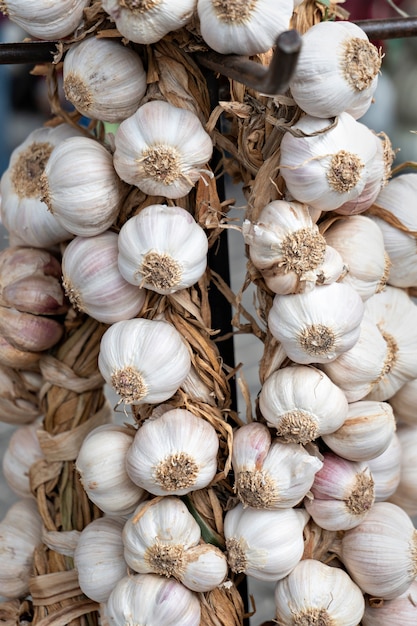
(101, 465)
(82, 168)
(43, 19)
(316, 593)
(360, 243)
(317, 326)
(148, 21)
(246, 28)
(404, 403)
(287, 247)
(401, 610)
(18, 402)
(270, 474)
(162, 249)
(93, 283)
(20, 534)
(366, 432)
(22, 451)
(98, 557)
(405, 495)
(162, 537)
(386, 470)
(143, 360)
(173, 454)
(325, 163)
(103, 79)
(152, 600)
(337, 70)
(302, 403)
(380, 553)
(161, 149)
(264, 544)
(23, 213)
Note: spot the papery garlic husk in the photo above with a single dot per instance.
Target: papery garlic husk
(103, 79)
(302, 403)
(361, 245)
(80, 186)
(196, 389)
(93, 282)
(20, 534)
(43, 19)
(246, 28)
(14, 358)
(27, 332)
(101, 464)
(404, 403)
(263, 544)
(22, 451)
(148, 21)
(405, 495)
(173, 454)
(162, 537)
(162, 249)
(329, 163)
(162, 149)
(23, 213)
(18, 404)
(319, 325)
(366, 432)
(270, 474)
(380, 554)
(386, 470)
(98, 557)
(401, 610)
(316, 593)
(144, 361)
(152, 599)
(343, 493)
(337, 70)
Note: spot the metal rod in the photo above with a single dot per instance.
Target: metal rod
(391, 28)
(27, 52)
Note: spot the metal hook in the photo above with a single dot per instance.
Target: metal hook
(393, 28)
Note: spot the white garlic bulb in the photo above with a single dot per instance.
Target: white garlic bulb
(23, 213)
(101, 465)
(148, 21)
(404, 403)
(173, 454)
(45, 20)
(162, 537)
(80, 186)
(143, 360)
(162, 249)
(386, 470)
(326, 163)
(343, 493)
(98, 557)
(401, 610)
(161, 149)
(93, 282)
(318, 593)
(103, 79)
(302, 403)
(405, 495)
(337, 70)
(22, 451)
(270, 474)
(264, 544)
(319, 325)
(246, 28)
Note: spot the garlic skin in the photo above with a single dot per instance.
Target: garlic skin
(162, 249)
(14, 358)
(270, 474)
(173, 454)
(19, 403)
(337, 70)
(161, 149)
(101, 465)
(264, 544)
(103, 79)
(243, 28)
(317, 326)
(405, 495)
(82, 168)
(27, 332)
(148, 21)
(314, 592)
(98, 557)
(386, 470)
(93, 282)
(404, 403)
(144, 361)
(380, 553)
(329, 164)
(22, 451)
(153, 600)
(302, 404)
(400, 610)
(45, 20)
(162, 537)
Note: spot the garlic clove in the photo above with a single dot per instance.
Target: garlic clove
(27, 332)
(45, 20)
(22, 451)
(40, 295)
(17, 359)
